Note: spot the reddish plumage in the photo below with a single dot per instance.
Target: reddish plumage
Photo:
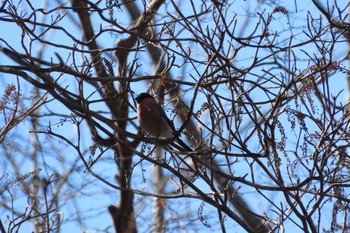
(153, 119)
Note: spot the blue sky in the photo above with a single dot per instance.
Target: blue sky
(96, 197)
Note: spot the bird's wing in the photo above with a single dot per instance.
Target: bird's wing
(163, 114)
(172, 126)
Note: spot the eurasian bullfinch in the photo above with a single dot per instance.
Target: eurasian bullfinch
(154, 121)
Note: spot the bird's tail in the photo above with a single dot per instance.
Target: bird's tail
(183, 145)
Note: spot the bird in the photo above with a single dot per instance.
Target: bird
(154, 121)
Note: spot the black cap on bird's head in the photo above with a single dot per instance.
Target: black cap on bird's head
(142, 96)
